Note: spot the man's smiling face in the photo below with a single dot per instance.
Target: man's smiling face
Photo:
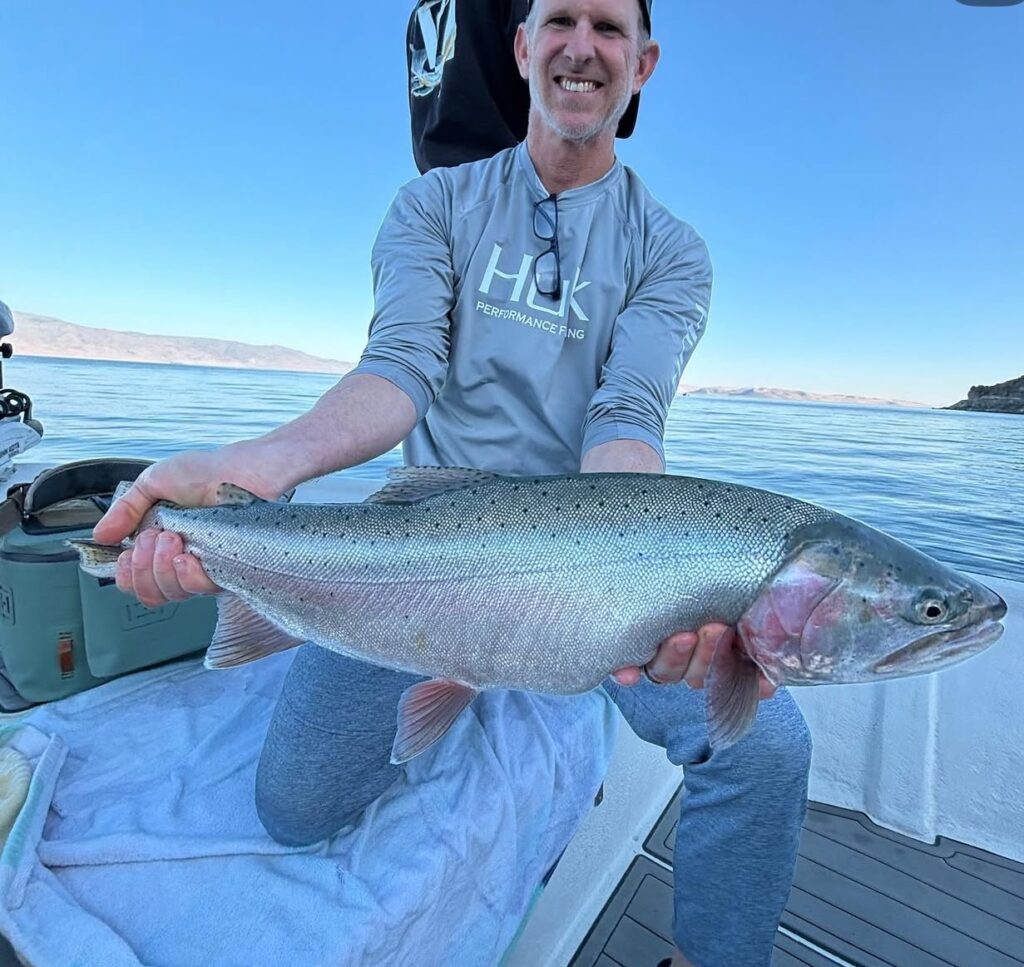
(584, 61)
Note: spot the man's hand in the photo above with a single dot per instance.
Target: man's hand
(686, 656)
(157, 569)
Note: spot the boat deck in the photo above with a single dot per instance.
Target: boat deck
(862, 896)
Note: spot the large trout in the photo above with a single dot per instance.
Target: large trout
(549, 583)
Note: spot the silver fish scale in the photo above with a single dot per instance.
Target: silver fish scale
(545, 583)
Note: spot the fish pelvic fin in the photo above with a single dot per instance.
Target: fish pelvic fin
(406, 485)
(425, 712)
(733, 694)
(99, 560)
(244, 635)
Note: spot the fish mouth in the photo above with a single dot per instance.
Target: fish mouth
(941, 648)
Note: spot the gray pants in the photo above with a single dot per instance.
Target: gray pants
(327, 753)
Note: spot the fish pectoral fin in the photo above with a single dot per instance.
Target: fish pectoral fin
(99, 560)
(733, 694)
(406, 485)
(425, 712)
(243, 635)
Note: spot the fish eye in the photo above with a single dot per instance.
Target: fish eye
(931, 609)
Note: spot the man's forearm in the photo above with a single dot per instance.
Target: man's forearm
(360, 418)
(622, 456)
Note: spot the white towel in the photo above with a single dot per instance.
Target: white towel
(139, 841)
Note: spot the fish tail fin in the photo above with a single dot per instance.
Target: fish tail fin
(243, 635)
(99, 560)
(733, 694)
(425, 712)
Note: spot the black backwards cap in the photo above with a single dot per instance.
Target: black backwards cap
(628, 120)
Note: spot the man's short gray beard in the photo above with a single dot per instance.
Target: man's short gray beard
(578, 135)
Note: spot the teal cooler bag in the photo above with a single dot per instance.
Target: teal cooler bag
(62, 630)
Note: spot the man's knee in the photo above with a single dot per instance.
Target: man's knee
(296, 817)
(779, 742)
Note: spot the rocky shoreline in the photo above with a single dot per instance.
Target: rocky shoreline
(1005, 397)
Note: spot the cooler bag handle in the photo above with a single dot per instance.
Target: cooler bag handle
(84, 478)
(97, 478)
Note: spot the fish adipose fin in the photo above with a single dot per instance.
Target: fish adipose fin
(99, 560)
(733, 695)
(244, 635)
(425, 712)
(231, 495)
(406, 485)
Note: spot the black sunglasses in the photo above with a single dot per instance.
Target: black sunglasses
(547, 267)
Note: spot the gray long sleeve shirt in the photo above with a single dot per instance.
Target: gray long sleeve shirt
(507, 379)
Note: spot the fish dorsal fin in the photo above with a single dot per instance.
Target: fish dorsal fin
(244, 635)
(409, 484)
(231, 495)
(120, 490)
(425, 712)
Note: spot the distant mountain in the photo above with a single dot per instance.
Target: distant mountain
(793, 395)
(1005, 397)
(36, 335)
(44, 336)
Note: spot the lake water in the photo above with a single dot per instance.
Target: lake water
(950, 483)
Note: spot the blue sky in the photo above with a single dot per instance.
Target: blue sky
(220, 169)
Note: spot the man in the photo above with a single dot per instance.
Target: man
(533, 313)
